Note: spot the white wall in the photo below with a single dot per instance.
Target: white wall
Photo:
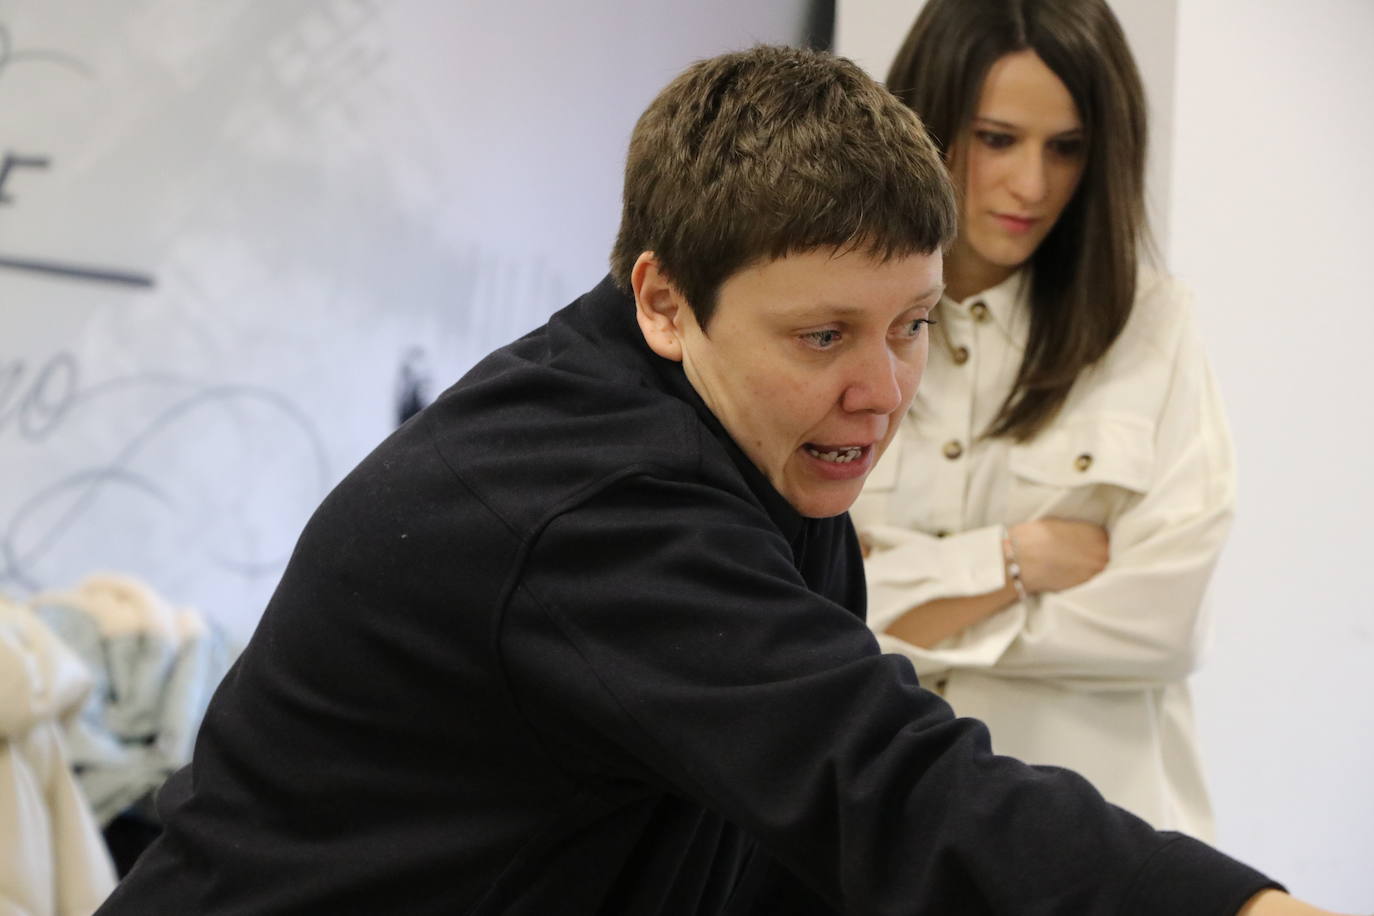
(1273, 194)
(1263, 125)
(314, 186)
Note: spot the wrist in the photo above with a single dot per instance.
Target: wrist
(1012, 564)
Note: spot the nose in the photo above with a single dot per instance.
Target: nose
(875, 386)
(1029, 178)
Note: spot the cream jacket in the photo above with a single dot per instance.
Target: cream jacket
(1092, 678)
(53, 861)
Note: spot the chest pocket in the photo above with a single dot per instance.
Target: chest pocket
(1091, 469)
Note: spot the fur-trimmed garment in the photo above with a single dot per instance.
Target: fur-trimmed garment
(52, 859)
(154, 667)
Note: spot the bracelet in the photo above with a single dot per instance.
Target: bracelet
(1013, 565)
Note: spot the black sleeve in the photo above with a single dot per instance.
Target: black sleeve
(768, 889)
(662, 626)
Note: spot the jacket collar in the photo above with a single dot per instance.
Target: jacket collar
(1006, 304)
(611, 312)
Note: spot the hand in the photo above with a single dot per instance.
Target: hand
(1277, 903)
(1059, 553)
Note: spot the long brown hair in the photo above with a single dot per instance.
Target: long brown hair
(1083, 276)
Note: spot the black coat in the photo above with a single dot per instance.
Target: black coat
(556, 647)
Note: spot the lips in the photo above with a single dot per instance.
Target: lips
(1015, 224)
(840, 453)
(838, 462)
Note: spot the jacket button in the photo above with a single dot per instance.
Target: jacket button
(979, 311)
(953, 449)
(960, 356)
(1083, 461)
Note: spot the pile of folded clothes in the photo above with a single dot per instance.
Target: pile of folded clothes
(52, 858)
(153, 668)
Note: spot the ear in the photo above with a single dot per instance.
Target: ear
(659, 307)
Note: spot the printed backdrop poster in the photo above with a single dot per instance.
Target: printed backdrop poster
(235, 235)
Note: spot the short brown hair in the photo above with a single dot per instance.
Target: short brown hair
(761, 153)
(1083, 275)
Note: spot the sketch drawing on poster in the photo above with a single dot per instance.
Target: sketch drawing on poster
(96, 468)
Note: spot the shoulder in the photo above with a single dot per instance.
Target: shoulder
(568, 410)
(1161, 317)
(1161, 292)
(534, 437)
(535, 426)
(1159, 338)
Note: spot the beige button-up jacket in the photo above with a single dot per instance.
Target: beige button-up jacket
(1093, 678)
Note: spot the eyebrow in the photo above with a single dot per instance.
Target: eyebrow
(1007, 125)
(935, 292)
(847, 311)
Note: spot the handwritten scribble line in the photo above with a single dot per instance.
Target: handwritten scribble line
(13, 162)
(9, 56)
(78, 272)
(92, 478)
(41, 407)
(84, 486)
(119, 462)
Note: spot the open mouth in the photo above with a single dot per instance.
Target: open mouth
(841, 455)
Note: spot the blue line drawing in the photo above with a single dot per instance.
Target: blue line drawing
(78, 271)
(10, 56)
(46, 266)
(53, 400)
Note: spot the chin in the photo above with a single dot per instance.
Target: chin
(1004, 252)
(1008, 256)
(823, 505)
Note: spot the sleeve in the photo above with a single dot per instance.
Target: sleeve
(662, 630)
(1138, 623)
(909, 568)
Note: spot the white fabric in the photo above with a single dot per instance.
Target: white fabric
(53, 861)
(1092, 678)
(154, 667)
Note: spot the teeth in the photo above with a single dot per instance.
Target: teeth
(840, 456)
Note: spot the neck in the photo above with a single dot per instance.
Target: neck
(967, 274)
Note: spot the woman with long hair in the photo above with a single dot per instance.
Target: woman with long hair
(1040, 535)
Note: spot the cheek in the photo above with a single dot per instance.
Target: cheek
(915, 369)
(1069, 179)
(771, 406)
(793, 413)
(759, 390)
(979, 171)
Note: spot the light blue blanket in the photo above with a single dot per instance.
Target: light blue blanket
(151, 686)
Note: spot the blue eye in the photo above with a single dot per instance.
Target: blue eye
(913, 327)
(823, 339)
